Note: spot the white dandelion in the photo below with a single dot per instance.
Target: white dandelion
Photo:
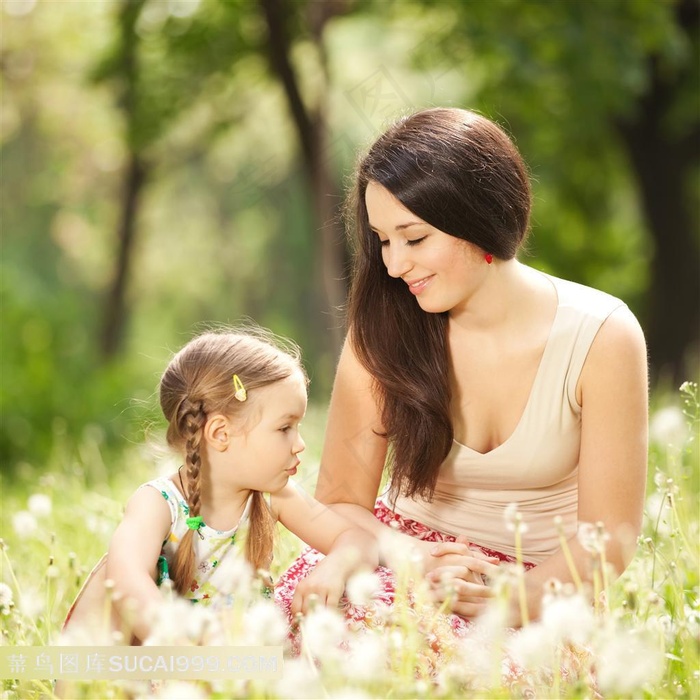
(6, 600)
(668, 426)
(592, 537)
(264, 625)
(299, 681)
(24, 523)
(323, 631)
(39, 505)
(627, 661)
(367, 657)
(361, 588)
(533, 646)
(31, 603)
(568, 618)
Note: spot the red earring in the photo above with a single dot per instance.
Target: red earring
(489, 258)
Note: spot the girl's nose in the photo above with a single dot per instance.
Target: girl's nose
(299, 445)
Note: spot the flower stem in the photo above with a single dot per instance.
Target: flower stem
(569, 559)
(521, 571)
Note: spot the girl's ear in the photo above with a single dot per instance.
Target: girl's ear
(217, 432)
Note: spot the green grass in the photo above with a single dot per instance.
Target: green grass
(643, 644)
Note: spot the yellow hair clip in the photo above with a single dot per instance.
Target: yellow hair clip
(240, 393)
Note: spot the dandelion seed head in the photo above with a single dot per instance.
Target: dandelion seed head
(533, 646)
(552, 586)
(24, 523)
(171, 622)
(631, 587)
(568, 618)
(264, 624)
(692, 621)
(52, 571)
(299, 681)
(31, 603)
(361, 588)
(478, 646)
(403, 557)
(421, 687)
(510, 516)
(367, 656)
(626, 661)
(39, 505)
(653, 598)
(665, 625)
(668, 427)
(6, 600)
(323, 631)
(592, 537)
(97, 525)
(237, 576)
(659, 513)
(396, 639)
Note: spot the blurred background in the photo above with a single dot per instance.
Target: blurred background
(168, 165)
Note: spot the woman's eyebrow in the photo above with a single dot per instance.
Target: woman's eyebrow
(401, 227)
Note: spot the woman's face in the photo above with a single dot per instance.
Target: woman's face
(440, 270)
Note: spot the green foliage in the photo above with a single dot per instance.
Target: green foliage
(564, 76)
(225, 229)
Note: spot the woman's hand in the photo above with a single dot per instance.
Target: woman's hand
(456, 571)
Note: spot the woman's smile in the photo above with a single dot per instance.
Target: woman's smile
(417, 286)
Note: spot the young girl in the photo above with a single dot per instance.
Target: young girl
(234, 403)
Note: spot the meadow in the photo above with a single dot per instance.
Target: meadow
(636, 637)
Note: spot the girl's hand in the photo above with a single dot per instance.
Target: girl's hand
(323, 586)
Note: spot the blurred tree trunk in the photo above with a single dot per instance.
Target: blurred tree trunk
(115, 311)
(311, 126)
(663, 164)
(126, 70)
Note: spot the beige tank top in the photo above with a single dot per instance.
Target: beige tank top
(537, 466)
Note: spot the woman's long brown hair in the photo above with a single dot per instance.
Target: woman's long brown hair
(459, 172)
(198, 383)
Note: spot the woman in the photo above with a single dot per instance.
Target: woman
(486, 382)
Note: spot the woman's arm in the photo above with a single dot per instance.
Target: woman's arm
(133, 554)
(613, 394)
(352, 464)
(354, 451)
(348, 547)
(354, 454)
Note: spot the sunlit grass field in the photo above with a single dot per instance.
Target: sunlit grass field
(639, 640)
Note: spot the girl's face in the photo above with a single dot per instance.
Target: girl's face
(440, 270)
(264, 456)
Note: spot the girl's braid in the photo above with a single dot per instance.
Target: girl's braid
(191, 422)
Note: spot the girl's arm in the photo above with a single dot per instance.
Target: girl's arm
(133, 555)
(348, 548)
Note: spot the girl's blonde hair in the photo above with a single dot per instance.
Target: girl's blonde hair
(198, 383)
